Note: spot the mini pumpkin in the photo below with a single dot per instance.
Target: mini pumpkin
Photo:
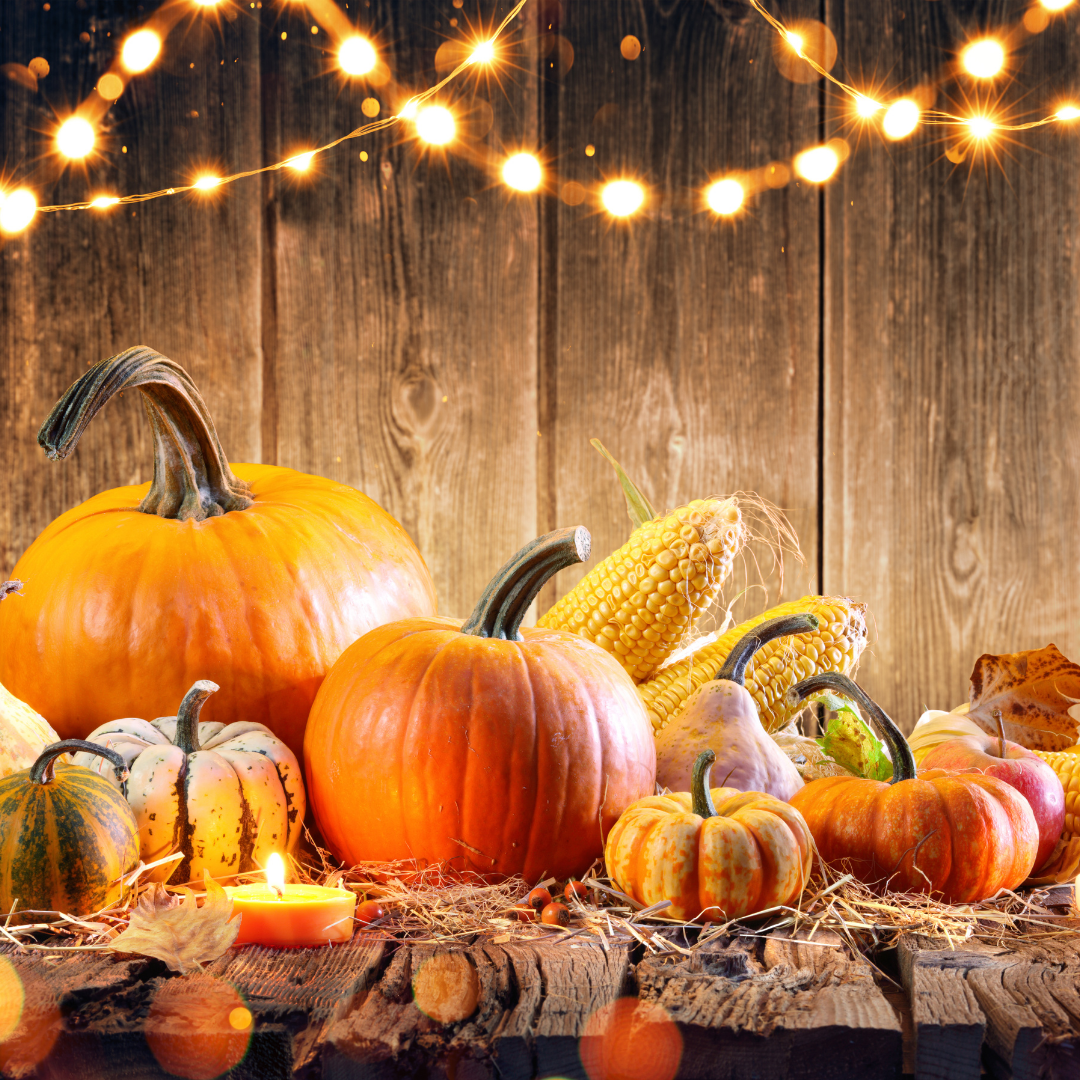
(67, 836)
(715, 854)
(484, 747)
(225, 796)
(957, 835)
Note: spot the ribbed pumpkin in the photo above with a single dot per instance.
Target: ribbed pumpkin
(67, 836)
(257, 579)
(959, 836)
(226, 797)
(484, 747)
(715, 854)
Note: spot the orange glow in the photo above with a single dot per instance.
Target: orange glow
(1067, 112)
(902, 118)
(522, 172)
(17, 210)
(622, 198)
(205, 183)
(357, 56)
(1056, 5)
(630, 1039)
(795, 41)
(110, 86)
(301, 162)
(484, 53)
(983, 59)
(435, 125)
(103, 202)
(140, 50)
(75, 137)
(725, 196)
(981, 127)
(867, 106)
(817, 165)
(275, 871)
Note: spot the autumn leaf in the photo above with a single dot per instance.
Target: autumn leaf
(180, 932)
(1033, 692)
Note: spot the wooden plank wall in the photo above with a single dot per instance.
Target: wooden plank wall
(892, 359)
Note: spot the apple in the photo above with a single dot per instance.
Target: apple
(1020, 768)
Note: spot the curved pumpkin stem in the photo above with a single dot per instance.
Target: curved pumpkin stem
(902, 760)
(734, 669)
(192, 478)
(43, 770)
(187, 716)
(704, 807)
(514, 587)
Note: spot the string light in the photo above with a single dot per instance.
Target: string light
(75, 137)
(103, 202)
(17, 210)
(982, 127)
(1067, 112)
(301, 162)
(818, 164)
(621, 198)
(725, 196)
(205, 183)
(795, 41)
(410, 109)
(140, 50)
(867, 106)
(1056, 5)
(435, 125)
(522, 172)
(983, 59)
(484, 53)
(357, 56)
(901, 119)
(206, 3)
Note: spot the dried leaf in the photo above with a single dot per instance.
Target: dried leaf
(1033, 692)
(181, 933)
(1062, 866)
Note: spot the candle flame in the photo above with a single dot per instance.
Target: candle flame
(275, 872)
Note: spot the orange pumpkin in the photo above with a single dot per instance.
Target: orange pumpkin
(484, 747)
(960, 836)
(257, 579)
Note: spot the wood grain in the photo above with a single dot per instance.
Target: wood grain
(951, 376)
(77, 287)
(687, 344)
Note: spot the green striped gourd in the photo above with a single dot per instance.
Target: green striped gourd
(225, 796)
(67, 836)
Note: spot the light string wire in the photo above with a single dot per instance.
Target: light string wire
(408, 110)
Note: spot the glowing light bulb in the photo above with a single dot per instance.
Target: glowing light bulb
(484, 53)
(357, 56)
(622, 198)
(301, 161)
(983, 59)
(410, 109)
(867, 106)
(206, 3)
(17, 210)
(901, 119)
(275, 871)
(1067, 112)
(1056, 5)
(205, 183)
(140, 50)
(725, 196)
(103, 202)
(435, 125)
(818, 164)
(75, 137)
(795, 41)
(522, 172)
(981, 127)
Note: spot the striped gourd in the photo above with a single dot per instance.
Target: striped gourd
(225, 796)
(67, 836)
(1066, 763)
(640, 600)
(835, 647)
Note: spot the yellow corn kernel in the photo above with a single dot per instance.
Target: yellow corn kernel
(1066, 763)
(778, 665)
(657, 584)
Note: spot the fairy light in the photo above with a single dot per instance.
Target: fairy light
(103, 202)
(484, 53)
(1067, 112)
(1056, 5)
(795, 41)
(817, 165)
(410, 109)
(867, 106)
(301, 162)
(901, 118)
(140, 50)
(983, 59)
(357, 56)
(435, 125)
(981, 127)
(17, 210)
(522, 172)
(621, 198)
(205, 183)
(75, 137)
(206, 3)
(725, 196)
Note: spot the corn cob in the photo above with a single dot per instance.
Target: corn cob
(639, 601)
(836, 646)
(1066, 763)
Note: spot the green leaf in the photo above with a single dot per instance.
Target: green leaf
(637, 506)
(849, 742)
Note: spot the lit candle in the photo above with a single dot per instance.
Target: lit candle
(291, 916)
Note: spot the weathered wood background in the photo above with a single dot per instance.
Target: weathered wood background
(893, 358)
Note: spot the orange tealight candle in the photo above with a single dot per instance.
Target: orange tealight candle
(291, 916)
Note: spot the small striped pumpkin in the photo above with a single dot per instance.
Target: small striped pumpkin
(226, 796)
(67, 836)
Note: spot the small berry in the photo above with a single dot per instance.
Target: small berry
(555, 915)
(369, 911)
(538, 899)
(576, 889)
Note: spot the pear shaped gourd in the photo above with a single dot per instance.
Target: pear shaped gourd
(721, 716)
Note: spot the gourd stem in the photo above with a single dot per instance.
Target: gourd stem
(510, 592)
(699, 784)
(734, 669)
(903, 762)
(192, 478)
(42, 771)
(187, 716)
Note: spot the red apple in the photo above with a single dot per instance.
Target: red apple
(1020, 768)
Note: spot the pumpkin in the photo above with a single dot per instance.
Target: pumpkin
(722, 716)
(67, 837)
(225, 796)
(481, 746)
(957, 835)
(715, 854)
(256, 578)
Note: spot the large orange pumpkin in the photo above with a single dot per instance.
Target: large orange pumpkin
(257, 579)
(960, 836)
(482, 747)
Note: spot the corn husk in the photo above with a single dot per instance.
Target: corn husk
(935, 727)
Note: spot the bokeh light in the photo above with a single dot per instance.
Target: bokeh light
(983, 59)
(804, 39)
(484, 53)
(630, 47)
(981, 127)
(621, 198)
(357, 56)
(901, 119)
(1056, 5)
(1067, 112)
(818, 164)
(17, 210)
(301, 162)
(103, 202)
(110, 86)
(410, 109)
(205, 183)
(795, 41)
(867, 106)
(631, 1040)
(75, 137)
(522, 172)
(725, 196)
(140, 50)
(435, 125)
